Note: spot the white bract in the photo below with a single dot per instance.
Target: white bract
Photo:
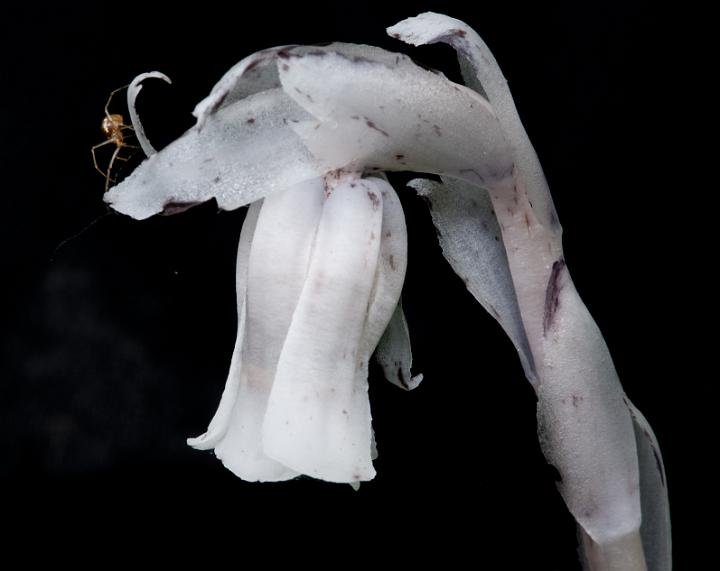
(302, 135)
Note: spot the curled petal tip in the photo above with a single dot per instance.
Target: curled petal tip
(132, 93)
(420, 29)
(200, 442)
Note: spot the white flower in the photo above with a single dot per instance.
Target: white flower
(320, 269)
(302, 135)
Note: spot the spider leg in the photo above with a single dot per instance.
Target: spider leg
(117, 156)
(92, 150)
(112, 93)
(110, 166)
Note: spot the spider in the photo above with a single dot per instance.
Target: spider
(113, 126)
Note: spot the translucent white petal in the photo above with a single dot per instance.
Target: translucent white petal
(278, 265)
(132, 92)
(584, 426)
(394, 353)
(251, 75)
(392, 263)
(259, 72)
(655, 528)
(382, 326)
(488, 79)
(318, 415)
(244, 152)
(241, 148)
(388, 283)
(219, 423)
(471, 241)
(390, 114)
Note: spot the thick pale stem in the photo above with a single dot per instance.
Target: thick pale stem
(585, 430)
(623, 554)
(532, 250)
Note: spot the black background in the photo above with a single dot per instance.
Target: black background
(116, 336)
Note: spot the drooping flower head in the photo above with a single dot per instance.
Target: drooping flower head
(303, 135)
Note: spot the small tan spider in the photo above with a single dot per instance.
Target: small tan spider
(113, 127)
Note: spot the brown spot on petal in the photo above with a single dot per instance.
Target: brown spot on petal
(171, 208)
(305, 95)
(375, 127)
(285, 53)
(374, 199)
(552, 294)
(252, 65)
(215, 106)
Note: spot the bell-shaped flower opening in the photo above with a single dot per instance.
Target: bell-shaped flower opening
(320, 270)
